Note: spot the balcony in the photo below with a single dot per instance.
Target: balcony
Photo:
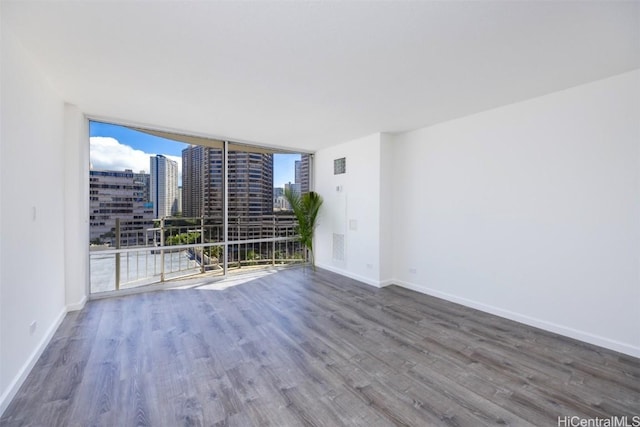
(147, 252)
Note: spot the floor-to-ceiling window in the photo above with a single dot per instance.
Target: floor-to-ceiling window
(165, 206)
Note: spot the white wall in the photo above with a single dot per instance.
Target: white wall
(31, 214)
(353, 211)
(387, 209)
(1, 234)
(530, 211)
(76, 202)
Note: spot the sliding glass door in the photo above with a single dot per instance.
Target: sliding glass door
(206, 208)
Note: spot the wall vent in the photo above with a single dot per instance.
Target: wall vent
(338, 247)
(340, 166)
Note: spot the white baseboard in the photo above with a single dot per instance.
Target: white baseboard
(387, 282)
(527, 320)
(357, 277)
(77, 306)
(15, 385)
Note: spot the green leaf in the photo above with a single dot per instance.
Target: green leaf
(305, 208)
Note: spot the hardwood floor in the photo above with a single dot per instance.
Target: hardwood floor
(302, 348)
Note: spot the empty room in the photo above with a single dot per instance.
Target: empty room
(339, 213)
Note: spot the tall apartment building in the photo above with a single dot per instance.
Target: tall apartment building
(179, 199)
(298, 171)
(195, 159)
(299, 186)
(163, 186)
(144, 179)
(250, 183)
(118, 194)
(302, 171)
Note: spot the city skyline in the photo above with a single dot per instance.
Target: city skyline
(116, 147)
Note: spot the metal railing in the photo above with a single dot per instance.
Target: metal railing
(142, 252)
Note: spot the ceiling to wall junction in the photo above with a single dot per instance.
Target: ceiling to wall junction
(307, 75)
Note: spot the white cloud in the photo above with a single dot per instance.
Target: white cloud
(108, 153)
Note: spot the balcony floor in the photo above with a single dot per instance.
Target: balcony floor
(304, 348)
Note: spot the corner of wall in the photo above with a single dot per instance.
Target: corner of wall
(78, 305)
(1, 166)
(386, 260)
(76, 195)
(33, 299)
(354, 276)
(10, 392)
(351, 208)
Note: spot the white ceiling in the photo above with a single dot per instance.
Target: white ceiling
(313, 74)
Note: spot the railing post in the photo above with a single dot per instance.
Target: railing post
(273, 244)
(225, 206)
(239, 246)
(162, 249)
(117, 254)
(202, 267)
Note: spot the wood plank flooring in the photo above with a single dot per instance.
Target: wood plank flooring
(298, 348)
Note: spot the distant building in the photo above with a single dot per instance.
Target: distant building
(298, 171)
(144, 179)
(195, 159)
(164, 186)
(277, 192)
(250, 183)
(118, 194)
(281, 204)
(302, 173)
(295, 188)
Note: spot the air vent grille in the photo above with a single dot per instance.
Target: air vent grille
(338, 247)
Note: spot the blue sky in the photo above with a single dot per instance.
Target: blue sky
(138, 140)
(134, 146)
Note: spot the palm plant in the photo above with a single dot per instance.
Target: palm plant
(305, 207)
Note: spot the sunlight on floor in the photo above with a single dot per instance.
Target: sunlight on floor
(220, 285)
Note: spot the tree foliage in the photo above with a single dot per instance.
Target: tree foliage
(183, 239)
(305, 208)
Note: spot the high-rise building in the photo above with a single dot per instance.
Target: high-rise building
(298, 171)
(201, 181)
(294, 187)
(302, 172)
(118, 194)
(277, 192)
(279, 202)
(164, 186)
(143, 178)
(193, 164)
(250, 182)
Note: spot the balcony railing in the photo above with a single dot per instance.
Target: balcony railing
(143, 252)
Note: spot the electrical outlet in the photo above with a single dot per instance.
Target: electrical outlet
(32, 327)
(369, 266)
(412, 270)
